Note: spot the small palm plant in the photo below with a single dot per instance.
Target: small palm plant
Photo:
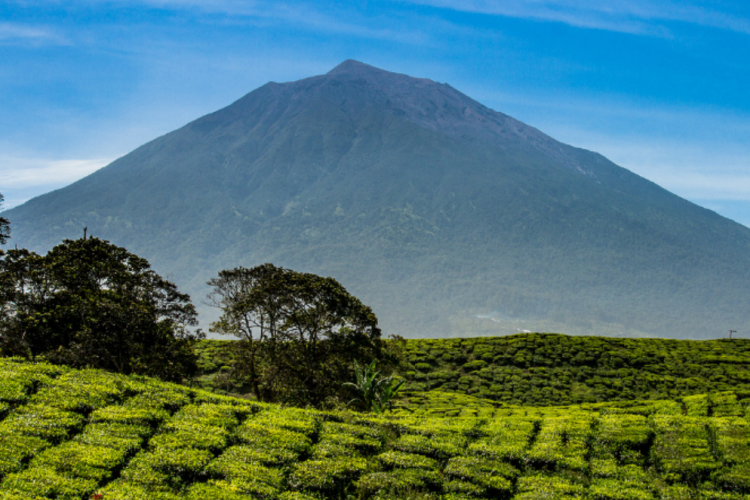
(376, 392)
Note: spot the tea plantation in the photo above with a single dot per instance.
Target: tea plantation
(550, 369)
(85, 434)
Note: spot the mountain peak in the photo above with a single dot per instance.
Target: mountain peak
(352, 67)
(446, 216)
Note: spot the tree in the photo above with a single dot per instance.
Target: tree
(89, 303)
(299, 333)
(4, 225)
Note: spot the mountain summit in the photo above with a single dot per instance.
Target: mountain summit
(445, 216)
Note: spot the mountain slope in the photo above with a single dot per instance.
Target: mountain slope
(445, 216)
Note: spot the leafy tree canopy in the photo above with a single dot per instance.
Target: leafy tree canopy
(4, 225)
(300, 333)
(91, 303)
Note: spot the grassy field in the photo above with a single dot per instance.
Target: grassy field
(80, 434)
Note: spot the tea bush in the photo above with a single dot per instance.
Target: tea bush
(132, 438)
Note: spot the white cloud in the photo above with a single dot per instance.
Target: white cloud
(697, 153)
(18, 173)
(15, 33)
(697, 172)
(307, 15)
(23, 178)
(629, 16)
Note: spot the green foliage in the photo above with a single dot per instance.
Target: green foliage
(90, 303)
(16, 449)
(41, 482)
(400, 483)
(488, 478)
(245, 476)
(682, 448)
(613, 489)
(274, 443)
(400, 460)
(46, 422)
(563, 442)
(376, 392)
(550, 369)
(506, 439)
(328, 476)
(4, 225)
(440, 447)
(548, 487)
(299, 332)
(167, 467)
(127, 439)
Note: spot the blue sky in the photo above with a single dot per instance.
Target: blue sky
(660, 87)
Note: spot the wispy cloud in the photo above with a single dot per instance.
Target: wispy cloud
(28, 172)
(22, 33)
(696, 171)
(302, 14)
(23, 178)
(699, 154)
(630, 16)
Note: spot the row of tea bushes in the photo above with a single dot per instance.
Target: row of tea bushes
(450, 404)
(552, 369)
(546, 369)
(82, 434)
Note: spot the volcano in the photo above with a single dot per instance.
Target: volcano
(448, 218)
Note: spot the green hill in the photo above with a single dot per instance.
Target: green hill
(447, 217)
(550, 369)
(80, 434)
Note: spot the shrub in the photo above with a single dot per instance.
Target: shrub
(214, 491)
(613, 489)
(563, 441)
(126, 490)
(81, 460)
(489, 478)
(440, 448)
(114, 435)
(292, 419)
(46, 483)
(507, 439)
(327, 476)
(81, 391)
(681, 447)
(241, 472)
(548, 487)
(46, 422)
(16, 449)
(475, 365)
(129, 415)
(625, 437)
(269, 438)
(401, 460)
(398, 483)
(166, 468)
(268, 455)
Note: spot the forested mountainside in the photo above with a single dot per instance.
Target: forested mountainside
(447, 217)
